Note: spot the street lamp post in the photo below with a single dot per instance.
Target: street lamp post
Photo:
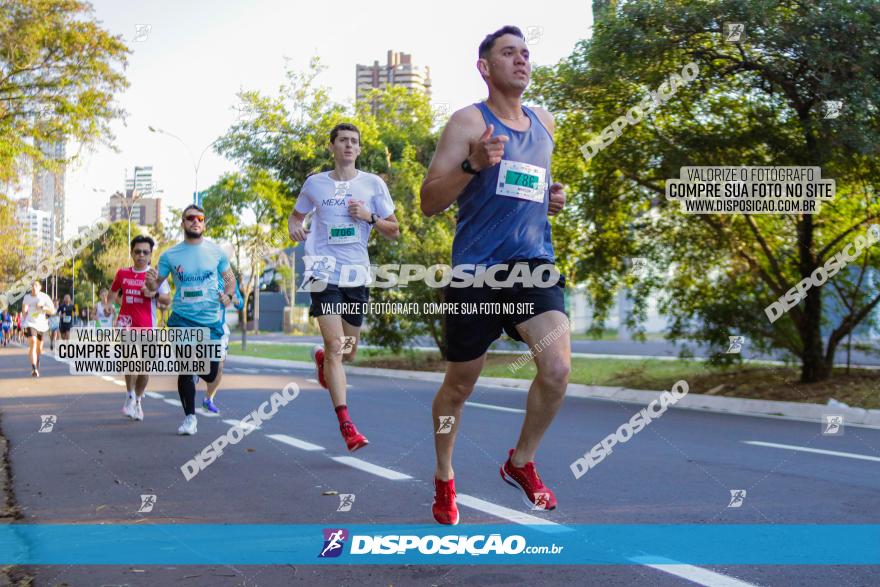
(196, 163)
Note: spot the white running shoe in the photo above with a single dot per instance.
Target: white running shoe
(128, 408)
(137, 412)
(189, 426)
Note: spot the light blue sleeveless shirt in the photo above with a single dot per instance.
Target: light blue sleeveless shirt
(500, 221)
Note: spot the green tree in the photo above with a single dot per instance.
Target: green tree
(15, 253)
(237, 196)
(58, 76)
(755, 102)
(108, 253)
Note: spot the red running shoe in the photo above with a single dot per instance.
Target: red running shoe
(444, 509)
(534, 493)
(353, 439)
(318, 357)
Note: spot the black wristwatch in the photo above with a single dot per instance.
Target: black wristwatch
(466, 167)
(373, 219)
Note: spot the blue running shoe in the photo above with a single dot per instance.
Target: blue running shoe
(209, 405)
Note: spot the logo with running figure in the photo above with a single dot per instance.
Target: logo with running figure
(446, 423)
(334, 541)
(832, 108)
(147, 503)
(832, 425)
(736, 344)
(347, 343)
(734, 32)
(737, 497)
(346, 500)
(318, 269)
(542, 500)
(47, 423)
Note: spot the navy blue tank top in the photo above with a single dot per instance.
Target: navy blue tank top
(496, 228)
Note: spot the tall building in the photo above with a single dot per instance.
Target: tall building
(36, 227)
(398, 70)
(142, 181)
(144, 211)
(47, 190)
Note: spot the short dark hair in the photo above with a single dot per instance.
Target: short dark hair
(191, 207)
(489, 41)
(142, 238)
(343, 126)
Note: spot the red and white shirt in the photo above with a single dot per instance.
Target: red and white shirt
(136, 311)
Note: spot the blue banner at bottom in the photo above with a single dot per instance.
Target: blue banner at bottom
(252, 544)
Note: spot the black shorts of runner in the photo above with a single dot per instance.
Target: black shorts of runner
(31, 331)
(345, 298)
(470, 334)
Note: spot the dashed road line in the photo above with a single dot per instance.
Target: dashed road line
(294, 442)
(371, 468)
(834, 453)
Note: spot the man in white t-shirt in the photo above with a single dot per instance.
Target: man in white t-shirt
(348, 204)
(36, 306)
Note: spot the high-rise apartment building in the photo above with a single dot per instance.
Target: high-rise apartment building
(398, 70)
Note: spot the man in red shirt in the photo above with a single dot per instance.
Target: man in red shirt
(137, 311)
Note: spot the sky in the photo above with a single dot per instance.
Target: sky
(184, 76)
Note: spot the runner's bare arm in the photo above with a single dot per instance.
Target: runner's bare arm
(388, 227)
(464, 137)
(557, 190)
(295, 227)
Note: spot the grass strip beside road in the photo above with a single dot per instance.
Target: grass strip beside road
(859, 389)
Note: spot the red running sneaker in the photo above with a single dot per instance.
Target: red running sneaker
(353, 439)
(444, 509)
(535, 494)
(318, 357)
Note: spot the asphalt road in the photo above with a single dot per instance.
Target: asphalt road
(95, 464)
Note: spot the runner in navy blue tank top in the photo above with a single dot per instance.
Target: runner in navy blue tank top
(493, 159)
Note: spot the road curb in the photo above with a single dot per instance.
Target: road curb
(692, 401)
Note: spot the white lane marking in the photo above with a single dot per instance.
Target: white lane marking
(371, 468)
(294, 442)
(498, 408)
(247, 426)
(119, 383)
(246, 370)
(206, 413)
(834, 453)
(697, 575)
(106, 378)
(154, 395)
(173, 402)
(517, 517)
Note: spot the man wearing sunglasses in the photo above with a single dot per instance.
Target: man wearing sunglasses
(195, 265)
(137, 310)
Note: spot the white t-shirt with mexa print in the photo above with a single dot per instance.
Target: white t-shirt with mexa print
(334, 233)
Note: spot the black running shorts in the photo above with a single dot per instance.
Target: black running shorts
(31, 331)
(469, 335)
(352, 302)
